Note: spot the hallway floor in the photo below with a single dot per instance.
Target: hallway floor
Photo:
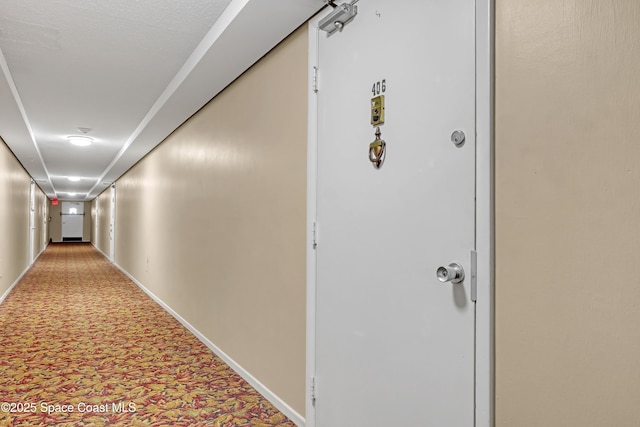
(81, 345)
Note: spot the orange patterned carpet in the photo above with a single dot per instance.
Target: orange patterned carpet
(81, 345)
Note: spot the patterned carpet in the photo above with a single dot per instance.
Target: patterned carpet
(81, 345)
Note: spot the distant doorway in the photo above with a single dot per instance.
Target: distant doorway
(72, 221)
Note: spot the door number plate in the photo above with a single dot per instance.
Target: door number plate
(377, 110)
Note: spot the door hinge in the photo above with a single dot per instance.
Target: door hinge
(314, 235)
(474, 276)
(312, 390)
(315, 79)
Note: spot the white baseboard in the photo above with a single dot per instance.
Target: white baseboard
(276, 401)
(39, 253)
(6, 294)
(106, 256)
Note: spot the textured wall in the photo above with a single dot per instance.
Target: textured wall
(213, 220)
(567, 213)
(14, 218)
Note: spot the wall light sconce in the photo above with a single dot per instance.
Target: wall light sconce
(81, 141)
(340, 17)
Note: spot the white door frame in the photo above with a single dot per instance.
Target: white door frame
(45, 224)
(484, 334)
(485, 13)
(112, 224)
(96, 240)
(32, 221)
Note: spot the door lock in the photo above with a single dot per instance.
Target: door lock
(458, 137)
(453, 273)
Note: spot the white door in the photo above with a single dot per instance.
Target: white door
(45, 224)
(95, 217)
(112, 225)
(32, 222)
(72, 221)
(394, 345)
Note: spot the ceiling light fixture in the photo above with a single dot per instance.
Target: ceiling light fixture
(81, 141)
(71, 194)
(74, 178)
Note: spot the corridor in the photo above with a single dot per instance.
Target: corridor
(80, 344)
(319, 213)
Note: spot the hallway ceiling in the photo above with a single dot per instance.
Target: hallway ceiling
(124, 73)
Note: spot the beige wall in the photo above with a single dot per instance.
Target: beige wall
(567, 213)
(14, 218)
(213, 220)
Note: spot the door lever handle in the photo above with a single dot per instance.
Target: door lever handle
(453, 273)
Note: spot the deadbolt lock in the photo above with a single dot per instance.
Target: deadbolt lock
(458, 137)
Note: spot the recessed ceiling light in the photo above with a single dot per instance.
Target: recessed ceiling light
(81, 141)
(71, 194)
(74, 178)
